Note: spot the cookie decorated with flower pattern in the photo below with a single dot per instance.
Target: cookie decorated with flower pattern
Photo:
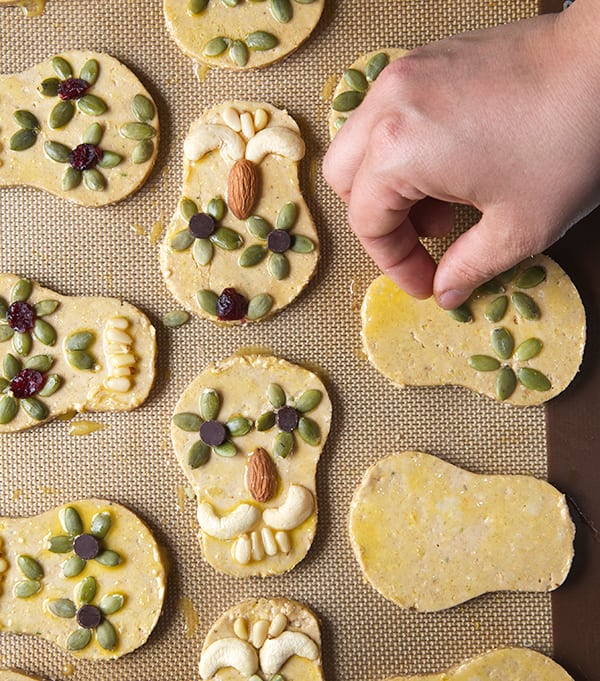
(242, 243)
(62, 353)
(519, 338)
(80, 126)
(355, 83)
(241, 34)
(248, 433)
(88, 577)
(32, 8)
(257, 639)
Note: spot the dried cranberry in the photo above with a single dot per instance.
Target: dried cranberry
(26, 383)
(20, 317)
(72, 88)
(85, 156)
(231, 305)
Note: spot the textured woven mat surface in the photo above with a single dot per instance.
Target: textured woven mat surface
(109, 251)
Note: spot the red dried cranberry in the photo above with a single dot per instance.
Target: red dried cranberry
(20, 317)
(26, 383)
(72, 88)
(231, 305)
(85, 156)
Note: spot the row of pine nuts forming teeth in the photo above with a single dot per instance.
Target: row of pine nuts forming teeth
(118, 347)
(261, 629)
(258, 544)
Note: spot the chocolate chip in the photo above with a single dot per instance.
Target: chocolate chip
(201, 225)
(86, 546)
(213, 433)
(287, 419)
(279, 241)
(89, 616)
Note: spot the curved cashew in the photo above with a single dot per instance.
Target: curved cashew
(206, 137)
(277, 651)
(275, 140)
(228, 652)
(294, 511)
(240, 520)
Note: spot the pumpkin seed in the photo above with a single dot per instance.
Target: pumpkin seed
(532, 276)
(22, 343)
(283, 444)
(137, 131)
(71, 179)
(8, 409)
(79, 639)
(496, 309)
(287, 216)
(258, 227)
(187, 421)
(216, 208)
(507, 276)
(252, 256)
(11, 366)
(302, 244)
(208, 301)
(80, 340)
(89, 71)
(106, 635)
(215, 47)
(175, 318)
(26, 588)
(339, 121)
(29, 567)
(526, 306)
(238, 426)
(21, 291)
(73, 566)
(109, 159)
(49, 87)
(261, 40)
(86, 589)
(502, 342)
(108, 558)
(230, 3)
(347, 101)
(198, 454)
(278, 677)
(203, 251)
(3, 384)
(355, 80)
(506, 382)
(3, 309)
(259, 305)
(483, 363)
(375, 65)
(45, 307)
(187, 208)
(489, 288)
(25, 119)
(56, 151)
(101, 523)
(93, 134)
(62, 68)
(143, 109)
(533, 379)
(91, 105)
(71, 521)
(197, 6)
(265, 421)
(52, 384)
(94, 180)
(282, 10)
(39, 362)
(227, 449)
(182, 240)
(81, 359)
(61, 114)
(44, 332)
(111, 603)
(34, 408)
(239, 52)
(60, 544)
(279, 266)
(5, 332)
(309, 431)
(63, 607)
(142, 152)
(461, 314)
(528, 349)
(276, 395)
(22, 139)
(210, 403)
(226, 239)
(308, 400)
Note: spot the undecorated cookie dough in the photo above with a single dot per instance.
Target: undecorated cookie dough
(259, 639)
(429, 535)
(88, 577)
(80, 125)
(63, 353)
(519, 338)
(242, 243)
(248, 433)
(32, 8)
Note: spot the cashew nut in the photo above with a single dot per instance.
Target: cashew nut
(277, 651)
(228, 526)
(228, 652)
(294, 511)
(206, 137)
(275, 140)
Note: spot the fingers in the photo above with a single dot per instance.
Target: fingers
(432, 218)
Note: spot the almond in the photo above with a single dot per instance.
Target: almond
(242, 187)
(261, 475)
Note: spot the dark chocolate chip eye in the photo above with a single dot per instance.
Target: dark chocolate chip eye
(202, 225)
(89, 616)
(86, 546)
(213, 433)
(287, 419)
(279, 241)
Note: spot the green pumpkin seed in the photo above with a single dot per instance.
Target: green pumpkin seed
(109, 159)
(29, 567)
(489, 288)
(208, 301)
(210, 403)
(25, 119)
(71, 179)
(108, 558)
(100, 525)
(39, 362)
(506, 382)
(507, 276)
(279, 266)
(526, 306)
(89, 71)
(302, 244)
(339, 121)
(239, 53)
(347, 101)
(52, 384)
(11, 366)
(528, 349)
(73, 566)
(532, 276)
(276, 395)
(261, 40)
(375, 65)
(502, 342)
(175, 318)
(61, 114)
(22, 139)
(461, 314)
(21, 291)
(80, 340)
(265, 421)
(496, 310)
(5, 332)
(44, 332)
(252, 256)
(3, 309)
(91, 105)
(197, 6)
(81, 359)
(282, 10)
(259, 305)
(188, 209)
(278, 677)
(49, 87)
(287, 216)
(227, 449)
(203, 251)
(93, 134)
(60, 544)
(106, 635)
(3, 384)
(8, 409)
(230, 3)
(137, 131)
(94, 180)
(79, 639)
(62, 68)
(226, 239)
(142, 152)
(483, 363)
(26, 588)
(198, 454)
(143, 109)
(111, 603)
(56, 151)
(45, 307)
(63, 607)
(187, 421)
(238, 426)
(34, 408)
(216, 208)
(215, 47)
(258, 227)
(71, 521)
(22, 343)
(283, 444)
(308, 400)
(309, 431)
(533, 379)
(182, 240)
(86, 589)
(355, 80)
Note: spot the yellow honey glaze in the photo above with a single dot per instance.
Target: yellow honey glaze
(85, 427)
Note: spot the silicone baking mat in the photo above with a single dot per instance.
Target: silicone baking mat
(113, 251)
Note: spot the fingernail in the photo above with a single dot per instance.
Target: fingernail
(452, 298)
